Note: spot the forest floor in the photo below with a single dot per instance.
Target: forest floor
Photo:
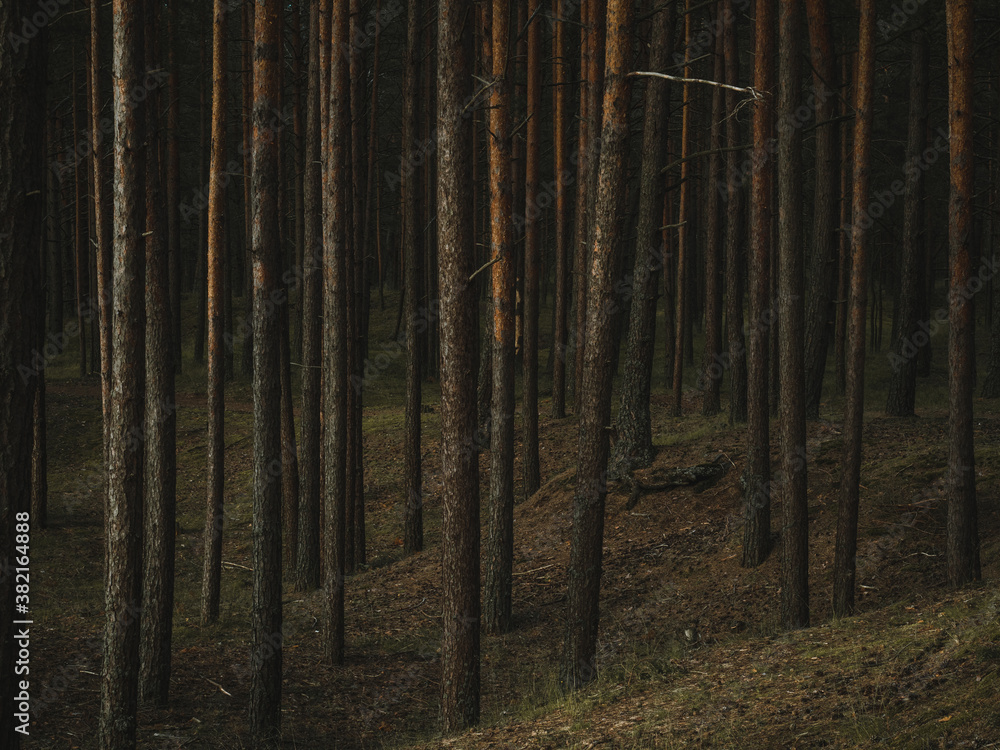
(690, 653)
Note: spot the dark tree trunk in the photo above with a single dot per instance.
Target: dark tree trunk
(532, 253)
(81, 242)
(266, 615)
(459, 454)
(757, 474)
(580, 265)
(735, 233)
(216, 268)
(173, 176)
(822, 267)
(335, 374)
(594, 397)
(634, 446)
(160, 424)
(685, 217)
(847, 513)
(843, 238)
(963, 532)
(791, 344)
(123, 579)
(563, 178)
(710, 380)
(903, 379)
(308, 567)
(500, 537)
(413, 524)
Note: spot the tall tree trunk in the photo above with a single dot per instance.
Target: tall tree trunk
(413, 525)
(903, 379)
(845, 557)
(459, 455)
(563, 178)
(532, 252)
(123, 579)
(81, 241)
(594, 397)
(684, 218)
(160, 423)
(710, 380)
(735, 232)
(335, 373)
(308, 564)
(843, 239)
(963, 531)
(102, 233)
(580, 265)
(757, 474)
(216, 269)
(791, 343)
(822, 267)
(500, 536)
(634, 446)
(266, 615)
(173, 175)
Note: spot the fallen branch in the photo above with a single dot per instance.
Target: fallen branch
(754, 93)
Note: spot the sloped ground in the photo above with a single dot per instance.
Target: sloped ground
(690, 655)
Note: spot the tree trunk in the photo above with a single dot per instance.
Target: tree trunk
(903, 379)
(215, 269)
(123, 579)
(580, 265)
(757, 475)
(532, 253)
(843, 239)
(710, 380)
(459, 454)
(160, 479)
(736, 356)
(594, 397)
(335, 374)
(173, 174)
(684, 218)
(308, 567)
(413, 524)
(634, 446)
(791, 343)
(500, 536)
(563, 178)
(847, 512)
(963, 532)
(822, 266)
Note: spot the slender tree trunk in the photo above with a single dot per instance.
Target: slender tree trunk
(81, 241)
(123, 579)
(843, 240)
(791, 343)
(580, 649)
(847, 513)
(500, 536)
(532, 252)
(963, 532)
(735, 232)
(173, 174)
(201, 270)
(684, 218)
(563, 178)
(822, 267)
(160, 421)
(216, 265)
(459, 454)
(580, 265)
(757, 474)
(308, 567)
(413, 524)
(903, 379)
(634, 446)
(335, 262)
(266, 615)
